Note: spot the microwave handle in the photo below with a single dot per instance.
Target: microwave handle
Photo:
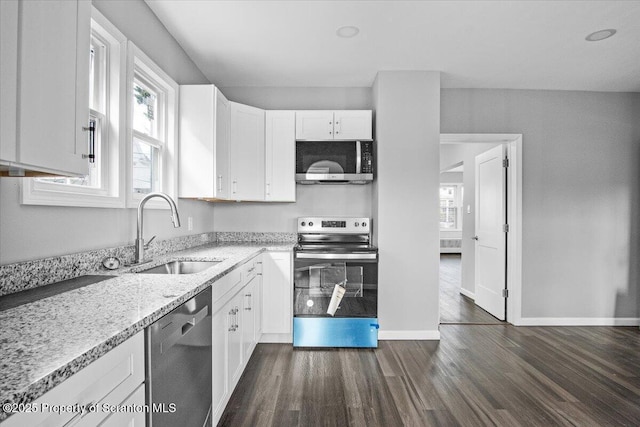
(358, 157)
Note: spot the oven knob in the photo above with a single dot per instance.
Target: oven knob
(364, 224)
(310, 224)
(357, 224)
(303, 224)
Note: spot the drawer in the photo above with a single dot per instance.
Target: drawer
(226, 283)
(108, 380)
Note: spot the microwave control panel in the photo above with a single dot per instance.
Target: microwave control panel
(367, 157)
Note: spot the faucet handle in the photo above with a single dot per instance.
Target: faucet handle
(146, 245)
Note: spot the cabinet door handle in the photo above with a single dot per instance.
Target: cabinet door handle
(235, 186)
(268, 189)
(92, 141)
(219, 182)
(231, 326)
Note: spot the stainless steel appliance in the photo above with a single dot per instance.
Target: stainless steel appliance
(334, 251)
(334, 162)
(179, 365)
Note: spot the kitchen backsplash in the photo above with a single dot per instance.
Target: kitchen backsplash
(31, 274)
(241, 236)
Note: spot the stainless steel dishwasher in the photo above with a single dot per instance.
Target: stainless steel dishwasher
(179, 365)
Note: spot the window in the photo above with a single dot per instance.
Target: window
(152, 116)
(100, 188)
(451, 207)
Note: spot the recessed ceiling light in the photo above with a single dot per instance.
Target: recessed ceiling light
(600, 35)
(347, 32)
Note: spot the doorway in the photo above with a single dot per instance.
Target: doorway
(459, 301)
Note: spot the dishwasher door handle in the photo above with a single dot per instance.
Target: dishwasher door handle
(195, 320)
(175, 335)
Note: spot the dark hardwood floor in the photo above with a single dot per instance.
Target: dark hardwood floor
(454, 307)
(476, 375)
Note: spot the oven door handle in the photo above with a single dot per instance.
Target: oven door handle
(319, 255)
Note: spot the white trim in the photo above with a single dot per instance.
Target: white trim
(276, 338)
(138, 60)
(513, 143)
(579, 321)
(467, 293)
(420, 335)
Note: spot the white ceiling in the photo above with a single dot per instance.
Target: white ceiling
(475, 44)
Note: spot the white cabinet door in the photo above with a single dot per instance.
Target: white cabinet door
(247, 152)
(222, 146)
(204, 142)
(8, 79)
(314, 125)
(280, 156)
(53, 85)
(234, 341)
(352, 124)
(221, 323)
(197, 147)
(107, 381)
(248, 318)
(126, 418)
(277, 297)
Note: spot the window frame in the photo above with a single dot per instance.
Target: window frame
(110, 194)
(458, 204)
(138, 63)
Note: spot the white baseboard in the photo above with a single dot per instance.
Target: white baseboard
(579, 321)
(409, 335)
(467, 293)
(276, 338)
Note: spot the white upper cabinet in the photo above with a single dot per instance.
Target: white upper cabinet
(247, 163)
(321, 125)
(204, 142)
(49, 86)
(280, 156)
(314, 125)
(352, 124)
(222, 146)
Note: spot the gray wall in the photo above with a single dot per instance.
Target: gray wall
(328, 200)
(581, 193)
(451, 177)
(466, 153)
(406, 201)
(31, 232)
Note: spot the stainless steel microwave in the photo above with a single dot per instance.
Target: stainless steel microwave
(334, 162)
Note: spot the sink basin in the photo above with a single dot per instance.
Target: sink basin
(180, 267)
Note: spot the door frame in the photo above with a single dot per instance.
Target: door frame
(513, 142)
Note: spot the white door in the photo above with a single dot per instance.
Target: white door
(352, 124)
(490, 235)
(222, 146)
(53, 87)
(247, 152)
(280, 154)
(314, 125)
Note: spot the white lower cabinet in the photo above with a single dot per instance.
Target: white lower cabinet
(114, 380)
(133, 418)
(236, 328)
(277, 298)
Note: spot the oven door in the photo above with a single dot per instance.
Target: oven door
(317, 273)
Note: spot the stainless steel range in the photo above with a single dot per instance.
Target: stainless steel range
(335, 259)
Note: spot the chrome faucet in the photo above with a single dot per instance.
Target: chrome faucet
(140, 245)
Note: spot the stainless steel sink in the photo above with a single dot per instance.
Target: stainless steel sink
(180, 267)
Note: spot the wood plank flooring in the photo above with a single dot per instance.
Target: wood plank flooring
(476, 375)
(454, 307)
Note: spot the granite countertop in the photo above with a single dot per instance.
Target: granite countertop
(45, 342)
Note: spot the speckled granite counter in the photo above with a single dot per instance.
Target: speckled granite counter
(45, 342)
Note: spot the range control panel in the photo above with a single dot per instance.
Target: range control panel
(334, 225)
